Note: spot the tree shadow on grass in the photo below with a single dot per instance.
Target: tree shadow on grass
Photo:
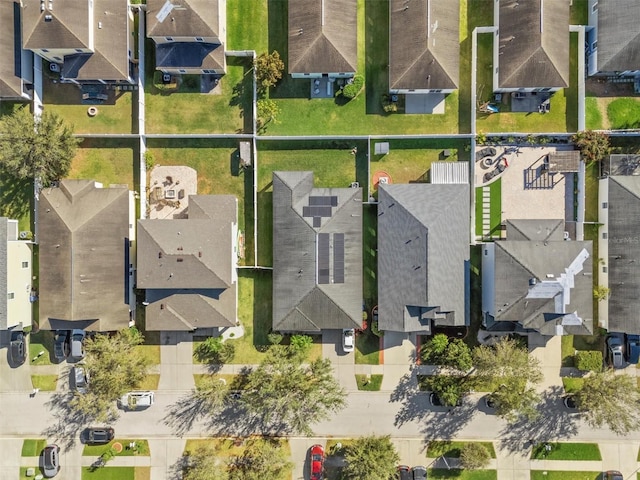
(554, 422)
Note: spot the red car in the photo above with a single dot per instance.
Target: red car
(316, 462)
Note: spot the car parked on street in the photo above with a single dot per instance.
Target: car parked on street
(403, 473)
(77, 344)
(419, 472)
(616, 351)
(61, 345)
(348, 339)
(612, 475)
(80, 377)
(51, 460)
(17, 348)
(136, 400)
(98, 435)
(316, 462)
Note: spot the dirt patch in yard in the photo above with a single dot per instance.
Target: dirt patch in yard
(599, 87)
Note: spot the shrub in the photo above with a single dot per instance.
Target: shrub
(149, 160)
(274, 338)
(352, 89)
(588, 360)
(300, 344)
(215, 351)
(375, 330)
(474, 456)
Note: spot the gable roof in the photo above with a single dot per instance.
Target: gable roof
(623, 264)
(533, 44)
(10, 51)
(540, 285)
(308, 262)
(186, 18)
(83, 250)
(323, 36)
(618, 35)
(424, 44)
(539, 230)
(66, 26)
(187, 266)
(208, 56)
(423, 255)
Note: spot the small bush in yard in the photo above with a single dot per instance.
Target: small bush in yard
(588, 360)
(352, 89)
(474, 456)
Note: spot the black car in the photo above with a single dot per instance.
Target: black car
(51, 460)
(18, 348)
(99, 435)
(61, 345)
(403, 473)
(419, 473)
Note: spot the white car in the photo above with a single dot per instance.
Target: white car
(136, 400)
(348, 339)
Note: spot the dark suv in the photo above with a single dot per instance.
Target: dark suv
(61, 345)
(17, 348)
(99, 435)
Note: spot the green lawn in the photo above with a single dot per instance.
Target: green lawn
(44, 382)
(16, 197)
(484, 70)
(566, 451)
(150, 382)
(216, 162)
(41, 342)
(564, 475)
(369, 383)
(151, 347)
(572, 385)
(110, 162)
(367, 348)
(624, 113)
(593, 115)
(579, 12)
(591, 192)
(452, 449)
(443, 474)
(23, 470)
(495, 209)
(142, 448)
(243, 34)
(33, 447)
(110, 473)
(370, 256)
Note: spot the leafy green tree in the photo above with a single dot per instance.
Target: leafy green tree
(115, 367)
(36, 147)
(261, 459)
(611, 400)
(212, 391)
(509, 365)
(268, 112)
(449, 388)
(215, 350)
(300, 344)
(474, 456)
(289, 395)
(373, 458)
(352, 89)
(202, 464)
(269, 68)
(601, 292)
(593, 146)
(588, 360)
(452, 353)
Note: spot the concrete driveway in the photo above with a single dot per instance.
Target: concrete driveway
(343, 363)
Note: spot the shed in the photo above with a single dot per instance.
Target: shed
(381, 148)
(450, 172)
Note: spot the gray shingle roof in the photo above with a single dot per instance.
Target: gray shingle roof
(423, 255)
(10, 55)
(323, 36)
(84, 239)
(424, 44)
(618, 35)
(533, 44)
(207, 56)
(68, 27)
(187, 266)
(539, 230)
(188, 18)
(624, 253)
(301, 301)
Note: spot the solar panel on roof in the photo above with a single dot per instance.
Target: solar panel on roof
(334, 201)
(338, 258)
(317, 222)
(317, 211)
(323, 258)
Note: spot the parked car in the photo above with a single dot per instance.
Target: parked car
(77, 344)
(616, 353)
(17, 348)
(348, 339)
(437, 402)
(99, 435)
(612, 475)
(136, 400)
(80, 377)
(403, 473)
(61, 345)
(51, 460)
(485, 152)
(316, 462)
(419, 473)
(633, 348)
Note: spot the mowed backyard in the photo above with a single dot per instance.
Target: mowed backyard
(107, 161)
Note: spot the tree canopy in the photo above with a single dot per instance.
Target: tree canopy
(612, 400)
(444, 351)
(262, 458)
(41, 147)
(202, 463)
(269, 68)
(593, 146)
(373, 458)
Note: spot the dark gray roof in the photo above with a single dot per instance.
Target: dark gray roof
(188, 266)
(187, 18)
(308, 291)
(424, 44)
(624, 253)
(623, 164)
(540, 285)
(323, 36)
(618, 35)
(207, 56)
(83, 250)
(539, 230)
(423, 255)
(533, 44)
(10, 51)
(4, 227)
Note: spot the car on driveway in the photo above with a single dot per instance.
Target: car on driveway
(80, 377)
(612, 475)
(348, 339)
(485, 152)
(616, 352)
(77, 344)
(51, 460)
(136, 400)
(99, 435)
(403, 473)
(17, 348)
(316, 462)
(633, 349)
(61, 345)
(419, 473)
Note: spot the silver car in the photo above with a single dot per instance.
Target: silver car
(51, 460)
(80, 379)
(616, 352)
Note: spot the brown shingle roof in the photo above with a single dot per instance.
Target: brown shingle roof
(187, 18)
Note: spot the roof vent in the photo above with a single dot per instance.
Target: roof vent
(532, 281)
(200, 254)
(550, 275)
(159, 254)
(99, 24)
(180, 259)
(48, 18)
(162, 306)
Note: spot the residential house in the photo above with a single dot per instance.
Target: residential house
(189, 36)
(85, 236)
(317, 255)
(16, 64)
(424, 46)
(531, 45)
(323, 38)
(619, 251)
(187, 266)
(15, 277)
(613, 38)
(423, 256)
(535, 281)
(90, 41)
